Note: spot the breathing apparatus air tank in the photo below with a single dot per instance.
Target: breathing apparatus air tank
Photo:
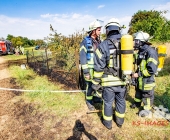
(161, 49)
(127, 54)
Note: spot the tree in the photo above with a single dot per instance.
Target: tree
(59, 41)
(9, 37)
(16, 41)
(39, 42)
(152, 22)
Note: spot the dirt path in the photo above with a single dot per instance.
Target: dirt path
(4, 95)
(3, 71)
(20, 120)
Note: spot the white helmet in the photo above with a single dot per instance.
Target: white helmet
(94, 25)
(142, 36)
(113, 21)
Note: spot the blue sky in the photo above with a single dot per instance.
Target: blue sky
(32, 18)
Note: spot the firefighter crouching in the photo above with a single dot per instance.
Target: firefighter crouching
(87, 48)
(147, 63)
(107, 74)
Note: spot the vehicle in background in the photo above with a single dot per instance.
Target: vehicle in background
(6, 47)
(37, 47)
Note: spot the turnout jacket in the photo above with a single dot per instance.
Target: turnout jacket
(147, 67)
(87, 48)
(104, 61)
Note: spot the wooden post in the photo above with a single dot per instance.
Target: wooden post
(47, 60)
(33, 57)
(77, 68)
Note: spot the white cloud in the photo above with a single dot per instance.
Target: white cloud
(76, 16)
(38, 29)
(162, 8)
(100, 6)
(33, 29)
(125, 21)
(66, 24)
(70, 23)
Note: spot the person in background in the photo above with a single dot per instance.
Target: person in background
(147, 63)
(87, 48)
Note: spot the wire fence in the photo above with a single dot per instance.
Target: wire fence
(62, 67)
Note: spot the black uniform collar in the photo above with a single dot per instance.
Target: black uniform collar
(115, 37)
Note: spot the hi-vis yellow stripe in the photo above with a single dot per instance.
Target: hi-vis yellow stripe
(98, 53)
(110, 78)
(148, 105)
(145, 72)
(85, 66)
(112, 81)
(107, 118)
(117, 83)
(97, 74)
(82, 47)
(149, 86)
(152, 60)
(137, 100)
(89, 97)
(111, 62)
(94, 82)
(119, 115)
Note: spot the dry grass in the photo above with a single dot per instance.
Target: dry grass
(53, 117)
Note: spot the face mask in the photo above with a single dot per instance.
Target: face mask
(138, 43)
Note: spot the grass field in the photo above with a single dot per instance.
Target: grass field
(66, 108)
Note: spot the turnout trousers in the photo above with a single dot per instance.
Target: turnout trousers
(146, 97)
(113, 94)
(89, 92)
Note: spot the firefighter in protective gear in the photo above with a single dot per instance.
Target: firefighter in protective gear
(87, 49)
(147, 63)
(106, 74)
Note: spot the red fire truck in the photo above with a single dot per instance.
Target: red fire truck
(6, 47)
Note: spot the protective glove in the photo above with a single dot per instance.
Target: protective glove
(87, 76)
(133, 81)
(96, 87)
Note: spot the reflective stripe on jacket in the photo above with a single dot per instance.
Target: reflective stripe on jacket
(87, 48)
(104, 58)
(148, 63)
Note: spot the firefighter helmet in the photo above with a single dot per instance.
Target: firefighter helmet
(113, 21)
(94, 25)
(142, 36)
(113, 25)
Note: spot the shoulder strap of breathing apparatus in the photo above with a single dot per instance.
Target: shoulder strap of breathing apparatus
(89, 47)
(144, 54)
(116, 70)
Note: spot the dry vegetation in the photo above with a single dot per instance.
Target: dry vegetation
(37, 116)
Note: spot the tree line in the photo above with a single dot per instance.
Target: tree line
(24, 41)
(152, 22)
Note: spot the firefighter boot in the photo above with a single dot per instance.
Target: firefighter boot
(135, 105)
(90, 106)
(107, 124)
(118, 121)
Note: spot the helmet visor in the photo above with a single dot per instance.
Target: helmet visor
(111, 28)
(137, 43)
